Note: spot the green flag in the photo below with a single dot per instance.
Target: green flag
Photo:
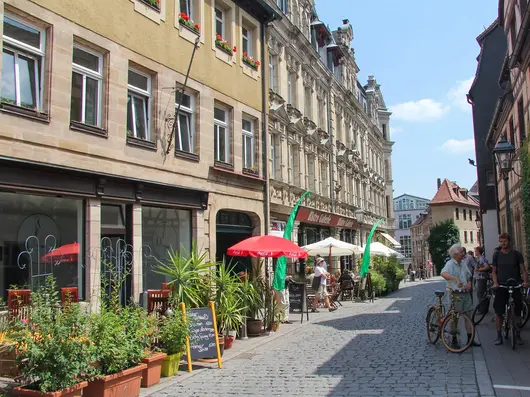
(281, 265)
(366, 258)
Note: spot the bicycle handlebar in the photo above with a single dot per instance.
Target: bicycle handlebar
(511, 286)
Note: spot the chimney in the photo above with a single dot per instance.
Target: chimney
(439, 183)
(345, 21)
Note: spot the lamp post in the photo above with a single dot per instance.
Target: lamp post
(504, 153)
(478, 221)
(359, 215)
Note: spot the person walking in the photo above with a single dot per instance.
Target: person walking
(508, 263)
(322, 293)
(481, 275)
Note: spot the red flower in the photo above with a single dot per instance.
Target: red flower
(183, 15)
(218, 37)
(258, 63)
(234, 49)
(245, 54)
(197, 26)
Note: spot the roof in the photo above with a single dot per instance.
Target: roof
(480, 39)
(488, 30)
(410, 195)
(474, 188)
(423, 216)
(260, 9)
(450, 193)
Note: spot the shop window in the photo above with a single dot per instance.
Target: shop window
(138, 105)
(87, 79)
(186, 124)
(41, 236)
(22, 64)
(164, 230)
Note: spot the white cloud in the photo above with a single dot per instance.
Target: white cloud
(457, 94)
(454, 146)
(419, 111)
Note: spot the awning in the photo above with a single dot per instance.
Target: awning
(391, 240)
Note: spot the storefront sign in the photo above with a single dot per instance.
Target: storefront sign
(322, 218)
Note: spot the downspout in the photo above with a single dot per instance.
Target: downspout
(265, 132)
(331, 154)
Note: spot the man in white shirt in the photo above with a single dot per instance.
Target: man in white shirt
(322, 292)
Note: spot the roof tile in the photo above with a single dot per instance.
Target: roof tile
(450, 193)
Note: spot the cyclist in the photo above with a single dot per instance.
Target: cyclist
(508, 263)
(458, 278)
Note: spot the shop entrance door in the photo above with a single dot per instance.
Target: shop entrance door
(233, 227)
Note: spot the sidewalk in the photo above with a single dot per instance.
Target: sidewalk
(509, 370)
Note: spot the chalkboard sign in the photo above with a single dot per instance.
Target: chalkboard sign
(202, 333)
(297, 299)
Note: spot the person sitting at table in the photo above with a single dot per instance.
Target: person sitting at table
(345, 282)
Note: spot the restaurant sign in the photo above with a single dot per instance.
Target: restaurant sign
(325, 219)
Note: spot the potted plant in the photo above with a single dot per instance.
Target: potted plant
(230, 316)
(53, 348)
(223, 45)
(186, 21)
(251, 293)
(172, 340)
(250, 61)
(154, 358)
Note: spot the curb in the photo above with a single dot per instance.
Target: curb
(485, 385)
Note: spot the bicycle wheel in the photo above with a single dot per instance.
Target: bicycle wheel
(480, 311)
(524, 314)
(454, 330)
(433, 325)
(512, 326)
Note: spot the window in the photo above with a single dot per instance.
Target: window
(520, 117)
(246, 35)
(406, 246)
(311, 173)
(87, 77)
(384, 131)
(272, 72)
(275, 157)
(405, 221)
(471, 236)
(513, 32)
(512, 133)
(248, 144)
(457, 214)
(465, 237)
(292, 161)
(22, 64)
(470, 215)
(220, 22)
(186, 6)
(322, 114)
(186, 126)
(490, 178)
(221, 135)
(138, 105)
(342, 183)
(465, 214)
(308, 105)
(282, 5)
(292, 82)
(324, 188)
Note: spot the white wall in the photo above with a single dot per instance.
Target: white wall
(491, 235)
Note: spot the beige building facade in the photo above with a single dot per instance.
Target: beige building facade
(90, 157)
(420, 232)
(328, 134)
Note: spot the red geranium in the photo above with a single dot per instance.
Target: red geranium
(197, 26)
(234, 49)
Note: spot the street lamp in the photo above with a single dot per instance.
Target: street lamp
(478, 221)
(359, 215)
(505, 153)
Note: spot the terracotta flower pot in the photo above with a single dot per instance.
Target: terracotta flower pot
(254, 327)
(74, 391)
(151, 375)
(123, 384)
(229, 341)
(170, 364)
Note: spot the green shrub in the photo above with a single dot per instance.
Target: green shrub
(378, 282)
(390, 270)
(173, 333)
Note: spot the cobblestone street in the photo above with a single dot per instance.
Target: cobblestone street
(362, 349)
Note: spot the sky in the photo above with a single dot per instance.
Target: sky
(423, 54)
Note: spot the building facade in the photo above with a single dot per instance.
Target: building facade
(511, 115)
(453, 202)
(420, 232)
(90, 157)
(328, 133)
(483, 96)
(407, 210)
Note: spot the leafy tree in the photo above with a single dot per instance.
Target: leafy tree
(443, 236)
(525, 159)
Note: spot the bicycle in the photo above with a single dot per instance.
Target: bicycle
(508, 321)
(483, 306)
(437, 321)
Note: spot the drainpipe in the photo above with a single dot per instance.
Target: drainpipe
(331, 155)
(265, 132)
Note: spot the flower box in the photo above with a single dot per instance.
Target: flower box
(186, 22)
(151, 375)
(123, 384)
(153, 4)
(251, 62)
(74, 391)
(170, 364)
(224, 46)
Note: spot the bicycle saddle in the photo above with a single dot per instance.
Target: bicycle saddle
(439, 293)
(511, 282)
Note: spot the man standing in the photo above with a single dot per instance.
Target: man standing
(508, 264)
(458, 278)
(469, 262)
(322, 292)
(480, 275)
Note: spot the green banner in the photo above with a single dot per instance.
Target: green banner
(281, 265)
(365, 267)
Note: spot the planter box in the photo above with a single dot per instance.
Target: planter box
(151, 375)
(74, 391)
(123, 384)
(254, 327)
(170, 364)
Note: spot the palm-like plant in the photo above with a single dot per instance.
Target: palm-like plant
(189, 274)
(249, 291)
(226, 283)
(231, 314)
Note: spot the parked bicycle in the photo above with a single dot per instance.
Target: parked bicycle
(448, 325)
(483, 306)
(508, 323)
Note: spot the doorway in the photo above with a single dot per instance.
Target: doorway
(231, 228)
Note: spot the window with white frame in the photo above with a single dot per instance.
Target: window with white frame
(276, 156)
(282, 5)
(186, 7)
(311, 172)
(272, 72)
(220, 22)
(87, 78)
(185, 136)
(221, 135)
(248, 144)
(246, 37)
(292, 82)
(308, 105)
(22, 63)
(138, 105)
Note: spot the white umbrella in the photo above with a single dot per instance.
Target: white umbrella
(332, 247)
(382, 250)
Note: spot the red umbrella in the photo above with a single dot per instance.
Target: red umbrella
(267, 247)
(67, 253)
